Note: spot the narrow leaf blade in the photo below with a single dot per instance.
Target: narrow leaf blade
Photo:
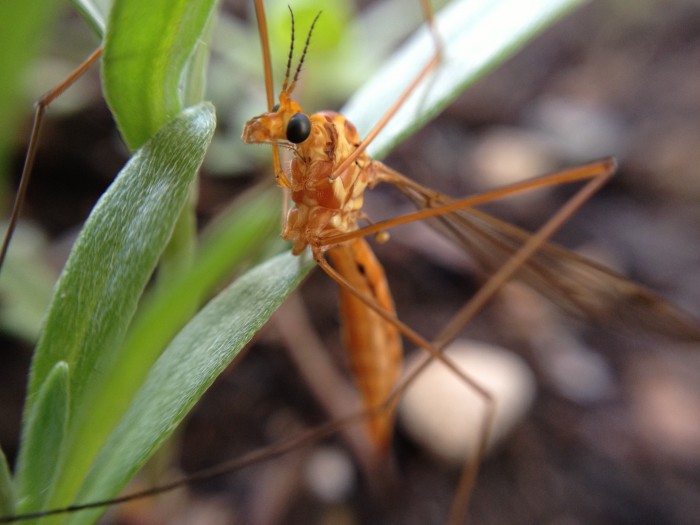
(46, 431)
(7, 490)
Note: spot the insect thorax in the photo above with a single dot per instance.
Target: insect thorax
(326, 203)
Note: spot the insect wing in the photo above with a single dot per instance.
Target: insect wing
(578, 285)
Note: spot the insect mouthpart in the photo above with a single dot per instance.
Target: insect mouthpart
(264, 128)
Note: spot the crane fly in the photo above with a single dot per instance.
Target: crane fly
(328, 177)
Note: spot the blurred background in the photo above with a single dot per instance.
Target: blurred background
(613, 435)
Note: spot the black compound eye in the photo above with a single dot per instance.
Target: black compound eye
(298, 128)
(275, 108)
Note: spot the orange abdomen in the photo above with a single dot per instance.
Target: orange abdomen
(372, 343)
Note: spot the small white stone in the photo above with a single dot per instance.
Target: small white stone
(330, 474)
(445, 416)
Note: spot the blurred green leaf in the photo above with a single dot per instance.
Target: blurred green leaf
(24, 27)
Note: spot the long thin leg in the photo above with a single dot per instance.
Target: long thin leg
(579, 173)
(41, 106)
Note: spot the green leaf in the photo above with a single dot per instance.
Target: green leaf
(106, 273)
(477, 36)
(7, 491)
(187, 367)
(45, 432)
(146, 47)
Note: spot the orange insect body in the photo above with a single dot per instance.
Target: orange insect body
(327, 203)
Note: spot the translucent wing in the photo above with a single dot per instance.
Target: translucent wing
(576, 284)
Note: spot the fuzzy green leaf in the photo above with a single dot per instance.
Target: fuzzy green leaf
(109, 267)
(187, 367)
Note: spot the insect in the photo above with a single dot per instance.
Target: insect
(323, 142)
(420, 196)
